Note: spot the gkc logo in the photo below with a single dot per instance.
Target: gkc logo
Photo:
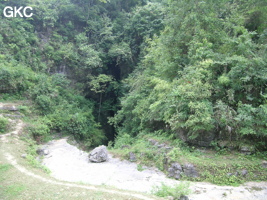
(14, 11)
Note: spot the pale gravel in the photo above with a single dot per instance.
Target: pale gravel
(68, 163)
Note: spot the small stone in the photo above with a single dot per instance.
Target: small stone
(247, 150)
(168, 148)
(132, 157)
(175, 170)
(10, 108)
(244, 172)
(190, 170)
(170, 198)
(183, 197)
(230, 174)
(160, 146)
(40, 151)
(125, 147)
(46, 152)
(13, 116)
(152, 141)
(264, 164)
(24, 155)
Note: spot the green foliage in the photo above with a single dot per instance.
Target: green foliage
(99, 84)
(4, 167)
(32, 155)
(140, 168)
(92, 43)
(3, 124)
(251, 120)
(15, 78)
(174, 154)
(39, 130)
(176, 191)
(123, 139)
(14, 190)
(192, 67)
(205, 73)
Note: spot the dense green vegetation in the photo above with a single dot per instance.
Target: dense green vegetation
(70, 58)
(192, 72)
(221, 167)
(204, 77)
(3, 125)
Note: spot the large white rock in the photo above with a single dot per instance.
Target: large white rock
(99, 154)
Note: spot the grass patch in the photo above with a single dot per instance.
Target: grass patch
(12, 190)
(32, 155)
(4, 167)
(176, 191)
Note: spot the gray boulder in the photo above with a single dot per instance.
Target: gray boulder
(24, 155)
(9, 107)
(99, 154)
(183, 197)
(175, 170)
(244, 172)
(132, 157)
(247, 150)
(190, 171)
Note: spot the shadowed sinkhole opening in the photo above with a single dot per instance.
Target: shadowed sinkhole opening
(109, 104)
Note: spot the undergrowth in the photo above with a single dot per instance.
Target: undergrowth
(176, 191)
(218, 167)
(32, 155)
(3, 125)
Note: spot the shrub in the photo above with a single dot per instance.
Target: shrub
(175, 191)
(40, 131)
(123, 139)
(15, 78)
(3, 124)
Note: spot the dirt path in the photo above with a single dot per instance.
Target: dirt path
(70, 164)
(12, 160)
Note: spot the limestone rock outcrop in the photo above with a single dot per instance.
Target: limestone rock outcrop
(99, 154)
